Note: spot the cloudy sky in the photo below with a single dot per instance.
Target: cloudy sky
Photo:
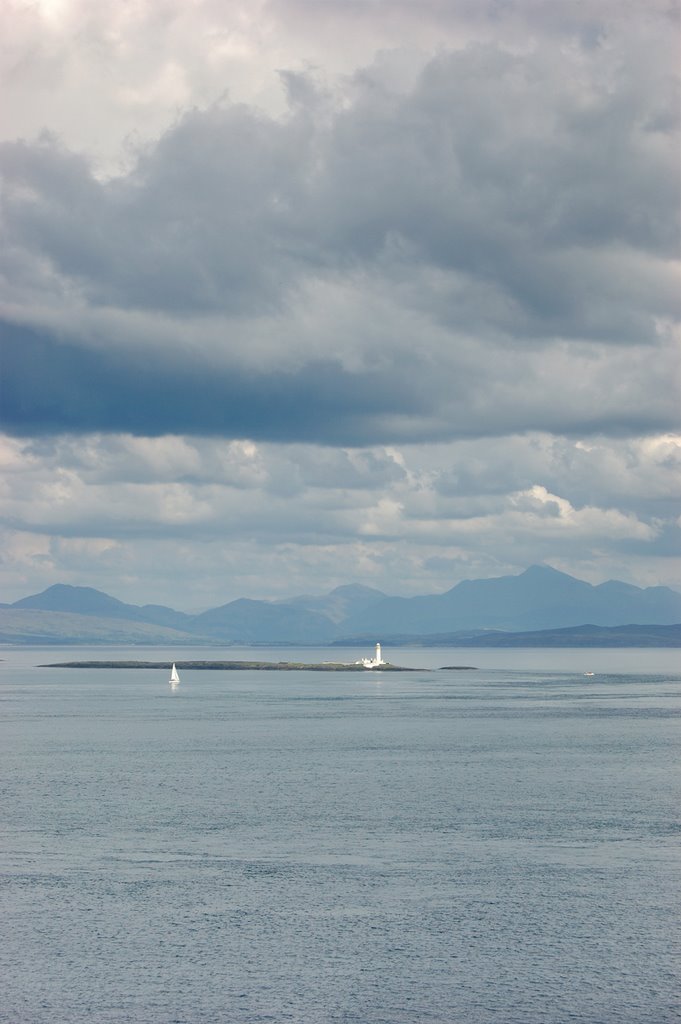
(296, 293)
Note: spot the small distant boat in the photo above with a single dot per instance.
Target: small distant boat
(174, 677)
(588, 673)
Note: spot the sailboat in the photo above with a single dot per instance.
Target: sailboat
(174, 678)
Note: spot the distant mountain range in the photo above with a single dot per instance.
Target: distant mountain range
(496, 612)
(570, 636)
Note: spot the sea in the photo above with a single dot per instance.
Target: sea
(493, 843)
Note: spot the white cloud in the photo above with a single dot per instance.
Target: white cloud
(394, 518)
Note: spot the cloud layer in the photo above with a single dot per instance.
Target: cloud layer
(434, 250)
(239, 518)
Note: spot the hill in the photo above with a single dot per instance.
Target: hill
(249, 622)
(342, 602)
(34, 626)
(87, 601)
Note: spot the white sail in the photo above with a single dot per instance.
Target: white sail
(174, 677)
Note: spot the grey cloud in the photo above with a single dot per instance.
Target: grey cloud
(499, 167)
(338, 470)
(188, 230)
(50, 386)
(641, 476)
(55, 387)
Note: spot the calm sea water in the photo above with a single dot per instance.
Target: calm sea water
(499, 845)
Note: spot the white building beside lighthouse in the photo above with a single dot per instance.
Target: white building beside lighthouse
(375, 661)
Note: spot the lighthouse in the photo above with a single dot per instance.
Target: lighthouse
(375, 661)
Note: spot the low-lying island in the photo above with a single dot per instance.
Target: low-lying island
(267, 666)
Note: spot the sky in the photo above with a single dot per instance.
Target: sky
(299, 293)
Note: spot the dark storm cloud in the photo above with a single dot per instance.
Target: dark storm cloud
(497, 237)
(51, 388)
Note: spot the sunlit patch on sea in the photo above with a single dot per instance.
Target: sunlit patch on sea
(499, 845)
